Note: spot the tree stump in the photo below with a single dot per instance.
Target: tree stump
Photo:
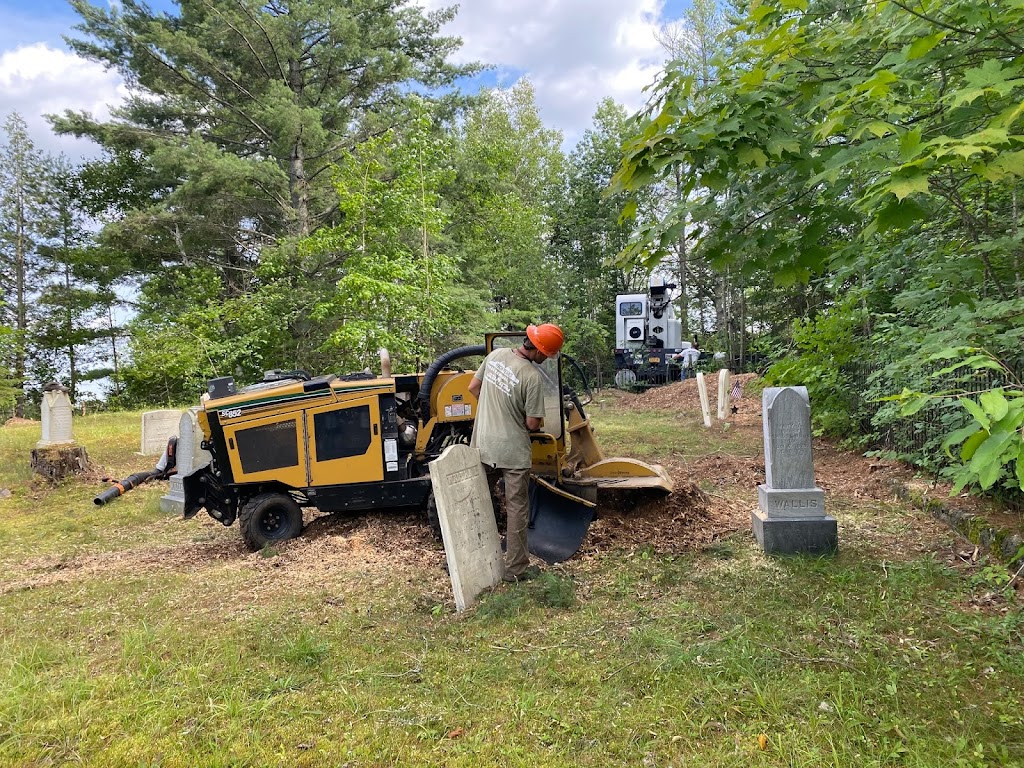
(59, 461)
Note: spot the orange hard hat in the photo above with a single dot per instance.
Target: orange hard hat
(547, 338)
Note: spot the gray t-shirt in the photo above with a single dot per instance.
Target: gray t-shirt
(511, 390)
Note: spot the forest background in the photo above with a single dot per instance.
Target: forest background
(832, 186)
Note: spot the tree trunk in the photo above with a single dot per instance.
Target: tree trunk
(298, 184)
(59, 462)
(20, 268)
(684, 296)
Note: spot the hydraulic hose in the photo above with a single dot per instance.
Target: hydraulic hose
(121, 488)
(436, 367)
(164, 467)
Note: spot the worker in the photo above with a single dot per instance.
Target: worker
(510, 393)
(688, 360)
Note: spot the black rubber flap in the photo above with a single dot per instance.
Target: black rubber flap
(557, 525)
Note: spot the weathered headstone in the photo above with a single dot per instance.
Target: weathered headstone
(190, 456)
(56, 455)
(705, 406)
(791, 515)
(55, 414)
(157, 428)
(723, 394)
(471, 542)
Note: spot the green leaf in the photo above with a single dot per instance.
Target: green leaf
(989, 473)
(922, 45)
(879, 128)
(903, 186)
(910, 143)
(994, 403)
(752, 156)
(753, 78)
(1020, 467)
(958, 436)
(976, 411)
(900, 215)
(989, 75)
(777, 146)
(914, 405)
(989, 454)
(969, 447)
(1005, 164)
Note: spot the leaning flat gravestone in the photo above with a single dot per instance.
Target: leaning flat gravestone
(157, 428)
(190, 456)
(791, 509)
(471, 542)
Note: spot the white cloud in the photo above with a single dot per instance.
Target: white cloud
(575, 52)
(38, 79)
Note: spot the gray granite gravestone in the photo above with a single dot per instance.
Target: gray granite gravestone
(470, 533)
(189, 457)
(791, 509)
(157, 428)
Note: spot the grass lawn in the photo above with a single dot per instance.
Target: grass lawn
(128, 638)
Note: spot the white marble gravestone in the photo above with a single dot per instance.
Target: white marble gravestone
(157, 428)
(723, 394)
(56, 418)
(791, 509)
(702, 391)
(189, 457)
(471, 541)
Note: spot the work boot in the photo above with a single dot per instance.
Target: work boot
(530, 572)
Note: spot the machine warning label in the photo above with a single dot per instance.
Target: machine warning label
(458, 410)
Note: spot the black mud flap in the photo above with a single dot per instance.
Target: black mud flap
(557, 524)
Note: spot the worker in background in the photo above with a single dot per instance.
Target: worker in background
(688, 360)
(510, 395)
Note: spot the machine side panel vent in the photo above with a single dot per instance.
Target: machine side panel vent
(269, 446)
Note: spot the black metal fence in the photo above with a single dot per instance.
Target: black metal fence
(919, 437)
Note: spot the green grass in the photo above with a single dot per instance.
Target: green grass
(870, 658)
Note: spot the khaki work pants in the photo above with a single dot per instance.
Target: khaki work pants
(517, 513)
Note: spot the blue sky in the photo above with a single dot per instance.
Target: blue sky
(575, 52)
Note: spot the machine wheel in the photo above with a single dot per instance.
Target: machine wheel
(269, 517)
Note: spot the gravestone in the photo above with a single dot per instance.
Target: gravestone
(791, 515)
(471, 542)
(56, 455)
(157, 428)
(55, 413)
(190, 456)
(723, 394)
(705, 406)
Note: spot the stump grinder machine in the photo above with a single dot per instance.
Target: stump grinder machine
(362, 441)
